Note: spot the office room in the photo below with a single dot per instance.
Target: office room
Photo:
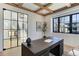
(39, 28)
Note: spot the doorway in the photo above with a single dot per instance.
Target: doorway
(15, 28)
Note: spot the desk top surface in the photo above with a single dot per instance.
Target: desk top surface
(40, 44)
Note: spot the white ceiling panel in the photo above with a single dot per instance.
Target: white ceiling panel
(43, 11)
(56, 6)
(30, 6)
(43, 3)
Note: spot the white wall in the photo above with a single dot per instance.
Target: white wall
(70, 39)
(1, 30)
(32, 18)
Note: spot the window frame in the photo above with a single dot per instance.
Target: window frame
(70, 23)
(54, 24)
(11, 20)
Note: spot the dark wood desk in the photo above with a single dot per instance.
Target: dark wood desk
(41, 48)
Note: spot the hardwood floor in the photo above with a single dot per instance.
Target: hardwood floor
(11, 52)
(67, 48)
(8, 43)
(17, 51)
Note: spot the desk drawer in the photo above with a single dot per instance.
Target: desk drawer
(43, 53)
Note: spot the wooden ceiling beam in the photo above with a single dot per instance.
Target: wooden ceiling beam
(64, 8)
(16, 5)
(20, 6)
(38, 9)
(43, 7)
(39, 5)
(48, 9)
(49, 4)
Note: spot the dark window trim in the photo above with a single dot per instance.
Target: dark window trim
(70, 28)
(53, 26)
(58, 24)
(70, 24)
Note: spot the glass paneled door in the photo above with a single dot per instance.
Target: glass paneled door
(22, 28)
(15, 28)
(10, 29)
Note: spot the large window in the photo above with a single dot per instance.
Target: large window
(66, 24)
(55, 25)
(75, 23)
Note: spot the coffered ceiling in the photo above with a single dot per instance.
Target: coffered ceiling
(44, 8)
